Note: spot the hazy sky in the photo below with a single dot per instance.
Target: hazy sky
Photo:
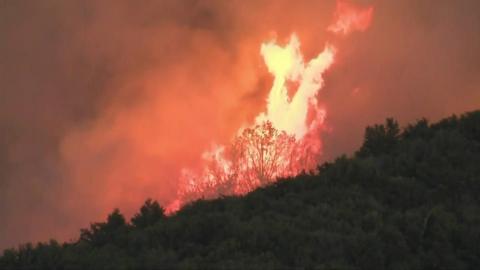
(103, 102)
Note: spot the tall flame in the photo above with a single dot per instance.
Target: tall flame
(283, 141)
(286, 63)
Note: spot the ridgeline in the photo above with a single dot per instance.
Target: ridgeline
(407, 199)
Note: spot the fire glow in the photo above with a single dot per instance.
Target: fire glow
(285, 138)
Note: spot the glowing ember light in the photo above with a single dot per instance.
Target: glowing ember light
(285, 139)
(349, 18)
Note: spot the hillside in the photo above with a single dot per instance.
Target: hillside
(407, 199)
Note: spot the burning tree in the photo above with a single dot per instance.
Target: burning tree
(260, 154)
(256, 157)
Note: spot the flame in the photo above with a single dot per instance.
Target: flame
(349, 18)
(284, 140)
(286, 63)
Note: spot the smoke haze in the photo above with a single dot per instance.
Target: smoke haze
(103, 102)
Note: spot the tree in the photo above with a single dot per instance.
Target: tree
(150, 213)
(255, 157)
(103, 232)
(262, 153)
(380, 139)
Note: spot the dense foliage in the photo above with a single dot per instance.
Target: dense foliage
(406, 200)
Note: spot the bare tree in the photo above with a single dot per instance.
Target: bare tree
(256, 157)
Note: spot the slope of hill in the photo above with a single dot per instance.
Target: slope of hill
(407, 199)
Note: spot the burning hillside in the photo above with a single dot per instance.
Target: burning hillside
(285, 138)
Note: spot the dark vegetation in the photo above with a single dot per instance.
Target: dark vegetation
(408, 199)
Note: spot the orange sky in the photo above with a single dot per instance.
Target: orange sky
(103, 102)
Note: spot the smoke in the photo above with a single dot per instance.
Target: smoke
(103, 102)
(349, 18)
(416, 60)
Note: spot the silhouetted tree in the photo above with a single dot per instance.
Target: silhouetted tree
(150, 213)
(101, 233)
(380, 139)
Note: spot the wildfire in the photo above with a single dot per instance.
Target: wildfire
(349, 18)
(283, 141)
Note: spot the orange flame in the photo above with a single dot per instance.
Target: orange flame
(349, 18)
(286, 63)
(283, 141)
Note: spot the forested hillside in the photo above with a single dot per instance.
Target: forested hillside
(407, 199)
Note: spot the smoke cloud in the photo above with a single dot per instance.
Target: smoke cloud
(102, 103)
